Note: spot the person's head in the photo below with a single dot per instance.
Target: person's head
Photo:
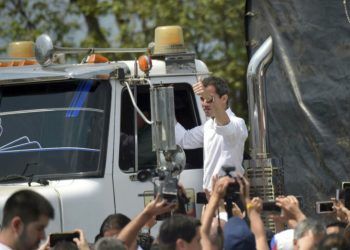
(336, 227)
(308, 234)
(112, 225)
(109, 243)
(65, 245)
(180, 232)
(25, 217)
(334, 241)
(237, 235)
(219, 89)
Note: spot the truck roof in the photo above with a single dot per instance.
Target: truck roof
(10, 75)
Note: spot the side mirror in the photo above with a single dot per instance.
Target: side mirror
(44, 50)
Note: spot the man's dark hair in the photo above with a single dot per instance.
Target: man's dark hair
(334, 241)
(177, 227)
(220, 85)
(107, 243)
(27, 205)
(113, 221)
(65, 245)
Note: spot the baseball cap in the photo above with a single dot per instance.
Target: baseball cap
(238, 236)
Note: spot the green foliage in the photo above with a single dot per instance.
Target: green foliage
(213, 29)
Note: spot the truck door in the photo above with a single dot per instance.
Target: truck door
(135, 148)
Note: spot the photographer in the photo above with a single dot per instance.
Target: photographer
(79, 243)
(218, 193)
(289, 216)
(237, 234)
(291, 213)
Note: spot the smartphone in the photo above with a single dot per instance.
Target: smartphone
(67, 236)
(271, 206)
(324, 207)
(347, 197)
(345, 184)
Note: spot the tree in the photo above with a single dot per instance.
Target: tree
(213, 29)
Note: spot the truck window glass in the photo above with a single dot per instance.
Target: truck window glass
(56, 129)
(185, 111)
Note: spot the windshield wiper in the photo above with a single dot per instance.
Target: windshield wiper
(29, 179)
(13, 177)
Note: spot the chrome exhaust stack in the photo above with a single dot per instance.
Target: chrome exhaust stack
(265, 173)
(257, 100)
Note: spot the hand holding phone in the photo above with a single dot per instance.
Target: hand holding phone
(324, 207)
(66, 236)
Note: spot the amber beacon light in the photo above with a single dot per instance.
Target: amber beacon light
(169, 40)
(22, 49)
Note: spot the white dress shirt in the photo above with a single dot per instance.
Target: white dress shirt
(222, 145)
(4, 247)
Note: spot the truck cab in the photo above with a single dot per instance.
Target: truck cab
(72, 133)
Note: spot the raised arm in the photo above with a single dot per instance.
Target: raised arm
(155, 207)
(253, 208)
(290, 210)
(217, 194)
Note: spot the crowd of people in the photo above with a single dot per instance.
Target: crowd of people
(26, 215)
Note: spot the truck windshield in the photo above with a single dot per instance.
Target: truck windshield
(54, 129)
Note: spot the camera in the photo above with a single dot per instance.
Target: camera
(167, 188)
(232, 191)
(67, 236)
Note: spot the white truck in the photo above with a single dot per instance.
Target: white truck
(71, 131)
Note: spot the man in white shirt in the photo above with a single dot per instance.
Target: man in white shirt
(25, 217)
(222, 136)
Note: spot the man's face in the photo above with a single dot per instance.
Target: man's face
(208, 107)
(33, 233)
(111, 233)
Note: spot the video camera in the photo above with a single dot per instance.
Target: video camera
(232, 192)
(167, 188)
